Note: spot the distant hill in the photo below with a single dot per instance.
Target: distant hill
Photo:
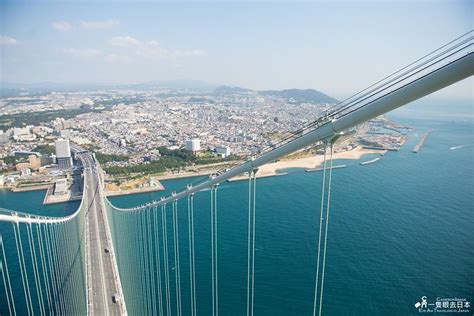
(221, 90)
(176, 86)
(300, 96)
(290, 95)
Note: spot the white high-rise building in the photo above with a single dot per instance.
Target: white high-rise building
(63, 153)
(193, 145)
(223, 151)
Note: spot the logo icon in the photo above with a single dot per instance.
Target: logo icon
(423, 304)
(443, 305)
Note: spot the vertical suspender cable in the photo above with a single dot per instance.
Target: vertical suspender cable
(176, 257)
(158, 260)
(212, 254)
(9, 291)
(151, 257)
(129, 255)
(326, 233)
(54, 269)
(51, 275)
(136, 266)
(35, 268)
(215, 289)
(216, 274)
(190, 258)
(191, 255)
(43, 266)
(248, 242)
(73, 239)
(64, 259)
(253, 238)
(165, 259)
(57, 267)
(251, 241)
(193, 252)
(6, 289)
(143, 303)
(59, 263)
(24, 275)
(145, 260)
(71, 295)
(144, 246)
(320, 232)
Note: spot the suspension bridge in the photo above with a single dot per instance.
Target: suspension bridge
(104, 260)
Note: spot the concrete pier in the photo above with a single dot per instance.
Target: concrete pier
(421, 142)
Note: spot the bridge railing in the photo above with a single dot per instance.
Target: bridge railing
(43, 263)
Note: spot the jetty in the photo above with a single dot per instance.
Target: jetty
(327, 168)
(421, 142)
(369, 161)
(246, 177)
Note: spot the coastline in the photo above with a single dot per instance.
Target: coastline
(274, 168)
(313, 162)
(159, 187)
(269, 170)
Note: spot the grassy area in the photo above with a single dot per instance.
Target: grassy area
(169, 160)
(45, 149)
(103, 158)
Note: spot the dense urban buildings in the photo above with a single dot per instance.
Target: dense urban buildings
(149, 131)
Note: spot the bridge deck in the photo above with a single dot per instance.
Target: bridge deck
(100, 263)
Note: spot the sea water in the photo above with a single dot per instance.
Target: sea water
(399, 229)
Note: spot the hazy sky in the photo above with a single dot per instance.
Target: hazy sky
(337, 48)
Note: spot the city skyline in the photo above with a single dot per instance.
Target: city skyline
(301, 45)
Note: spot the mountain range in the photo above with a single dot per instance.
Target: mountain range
(179, 86)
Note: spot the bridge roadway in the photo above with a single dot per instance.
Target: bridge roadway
(100, 265)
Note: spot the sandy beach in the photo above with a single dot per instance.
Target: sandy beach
(272, 169)
(313, 161)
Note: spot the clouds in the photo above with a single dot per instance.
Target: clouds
(120, 59)
(124, 41)
(65, 26)
(106, 24)
(191, 53)
(124, 49)
(7, 41)
(83, 53)
(62, 26)
(152, 49)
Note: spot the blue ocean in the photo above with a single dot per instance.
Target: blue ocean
(400, 228)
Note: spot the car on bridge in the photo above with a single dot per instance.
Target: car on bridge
(115, 298)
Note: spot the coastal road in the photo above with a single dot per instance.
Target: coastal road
(100, 265)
